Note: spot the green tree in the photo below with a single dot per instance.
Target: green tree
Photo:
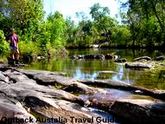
(3, 44)
(24, 15)
(121, 36)
(70, 33)
(97, 12)
(102, 22)
(51, 33)
(146, 19)
(56, 27)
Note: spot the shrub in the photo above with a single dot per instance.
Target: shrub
(28, 47)
(4, 46)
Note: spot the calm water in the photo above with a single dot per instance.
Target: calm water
(106, 69)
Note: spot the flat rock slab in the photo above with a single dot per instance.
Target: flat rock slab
(30, 93)
(12, 108)
(52, 78)
(137, 111)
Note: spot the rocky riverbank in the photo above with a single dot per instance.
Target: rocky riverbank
(44, 97)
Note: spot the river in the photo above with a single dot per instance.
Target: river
(105, 69)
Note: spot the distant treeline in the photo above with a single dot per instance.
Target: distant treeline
(142, 25)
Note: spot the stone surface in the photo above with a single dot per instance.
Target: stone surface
(43, 94)
(160, 58)
(138, 65)
(147, 58)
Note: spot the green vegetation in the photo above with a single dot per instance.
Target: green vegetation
(146, 21)
(38, 36)
(142, 26)
(3, 44)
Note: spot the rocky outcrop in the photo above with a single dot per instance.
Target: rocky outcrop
(112, 57)
(89, 56)
(138, 65)
(95, 56)
(58, 80)
(143, 58)
(22, 97)
(43, 95)
(131, 111)
(125, 87)
(160, 58)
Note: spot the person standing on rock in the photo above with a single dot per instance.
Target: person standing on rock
(14, 51)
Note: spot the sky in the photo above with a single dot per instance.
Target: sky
(69, 7)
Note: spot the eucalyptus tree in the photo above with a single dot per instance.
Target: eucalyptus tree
(147, 19)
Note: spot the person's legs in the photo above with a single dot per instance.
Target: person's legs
(17, 56)
(12, 57)
(12, 54)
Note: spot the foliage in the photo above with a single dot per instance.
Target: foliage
(4, 47)
(121, 36)
(142, 25)
(89, 32)
(50, 35)
(56, 27)
(146, 19)
(37, 36)
(24, 15)
(29, 48)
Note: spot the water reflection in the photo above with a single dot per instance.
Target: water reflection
(99, 69)
(82, 76)
(119, 75)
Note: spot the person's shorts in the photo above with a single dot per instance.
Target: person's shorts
(14, 49)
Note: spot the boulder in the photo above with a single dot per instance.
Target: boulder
(125, 87)
(89, 56)
(12, 112)
(3, 77)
